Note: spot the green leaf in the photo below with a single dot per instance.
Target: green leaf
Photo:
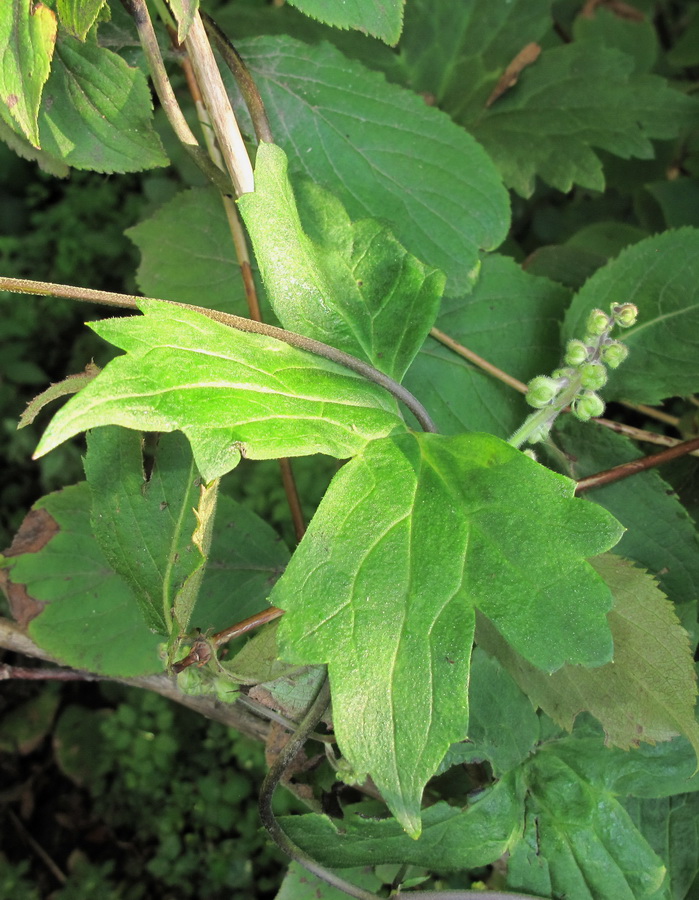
(638, 39)
(425, 528)
(503, 725)
(184, 12)
(145, 526)
(27, 40)
(668, 543)
(90, 619)
(659, 275)
(383, 20)
(458, 59)
(187, 253)
(21, 146)
(647, 693)
(512, 319)
(71, 384)
(580, 842)
(574, 99)
(670, 827)
(451, 838)
(78, 16)
(230, 392)
(96, 111)
(383, 152)
(347, 284)
(300, 884)
(259, 661)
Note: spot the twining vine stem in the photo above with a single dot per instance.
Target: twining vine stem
(238, 323)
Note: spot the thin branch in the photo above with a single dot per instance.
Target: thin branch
(22, 673)
(166, 95)
(230, 140)
(638, 434)
(635, 466)
(477, 360)
(300, 341)
(243, 79)
(36, 846)
(652, 413)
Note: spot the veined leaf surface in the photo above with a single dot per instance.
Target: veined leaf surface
(412, 536)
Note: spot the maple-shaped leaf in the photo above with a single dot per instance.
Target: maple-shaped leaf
(573, 100)
(232, 393)
(414, 534)
(647, 693)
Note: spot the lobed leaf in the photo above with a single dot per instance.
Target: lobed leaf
(27, 41)
(347, 284)
(230, 392)
(413, 534)
(661, 276)
(96, 111)
(647, 693)
(383, 20)
(575, 99)
(383, 152)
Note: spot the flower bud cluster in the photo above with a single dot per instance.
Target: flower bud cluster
(585, 370)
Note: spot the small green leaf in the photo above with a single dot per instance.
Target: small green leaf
(231, 393)
(90, 619)
(383, 152)
(637, 38)
(413, 534)
(347, 284)
(659, 275)
(647, 693)
(27, 40)
(96, 111)
(451, 838)
(145, 526)
(580, 842)
(259, 661)
(184, 12)
(187, 253)
(512, 319)
(26, 726)
(78, 16)
(383, 20)
(70, 385)
(573, 100)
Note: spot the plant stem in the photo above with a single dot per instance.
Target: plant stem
(300, 341)
(477, 360)
(166, 95)
(636, 465)
(230, 140)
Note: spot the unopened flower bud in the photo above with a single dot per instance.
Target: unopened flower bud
(541, 391)
(625, 314)
(614, 353)
(576, 353)
(587, 405)
(598, 322)
(593, 376)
